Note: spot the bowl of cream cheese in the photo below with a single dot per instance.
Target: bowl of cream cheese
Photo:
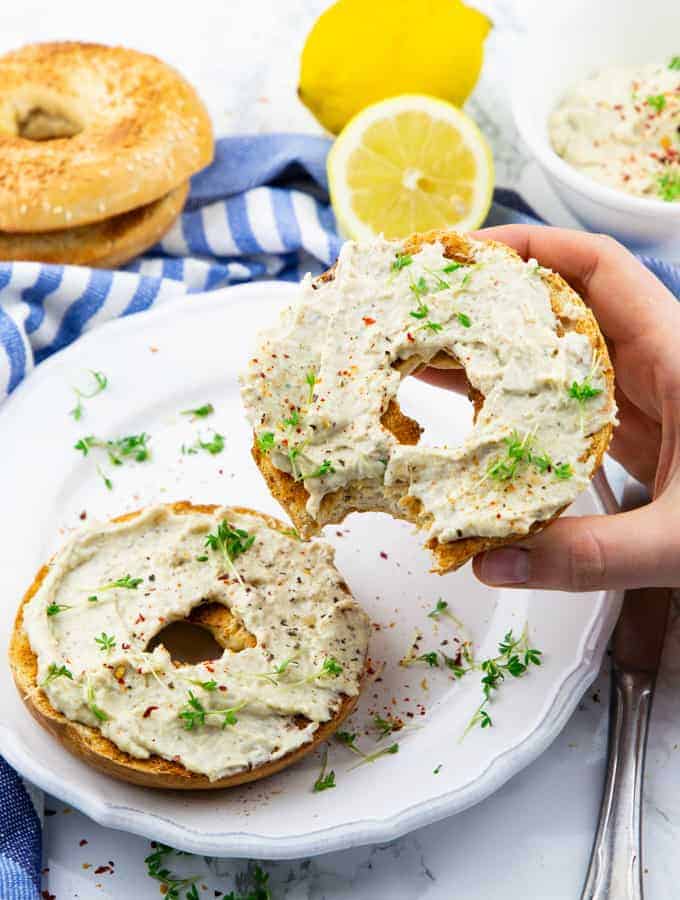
(596, 97)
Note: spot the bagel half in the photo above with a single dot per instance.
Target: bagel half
(88, 132)
(104, 245)
(89, 745)
(373, 495)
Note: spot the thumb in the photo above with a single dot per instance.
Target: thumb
(629, 550)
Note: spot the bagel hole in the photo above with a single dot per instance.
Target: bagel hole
(431, 404)
(40, 124)
(205, 634)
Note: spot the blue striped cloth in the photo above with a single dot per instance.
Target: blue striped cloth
(260, 211)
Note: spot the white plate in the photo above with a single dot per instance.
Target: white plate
(188, 353)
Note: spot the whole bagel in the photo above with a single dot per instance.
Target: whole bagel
(89, 131)
(106, 244)
(321, 393)
(329, 599)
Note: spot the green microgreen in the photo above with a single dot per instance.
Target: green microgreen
(437, 769)
(432, 326)
(430, 658)
(657, 102)
(311, 380)
(464, 319)
(96, 711)
(669, 186)
(674, 64)
(171, 884)
(206, 685)
(55, 671)
(101, 383)
(293, 419)
(563, 471)
(132, 446)
(451, 267)
(106, 641)
(401, 261)
(278, 671)
(421, 312)
(441, 284)
(326, 468)
(127, 582)
(515, 657)
(348, 739)
(105, 478)
(385, 727)
(265, 441)
(54, 609)
(419, 288)
(213, 446)
(583, 391)
(199, 412)
(194, 714)
(324, 781)
(231, 543)
(519, 456)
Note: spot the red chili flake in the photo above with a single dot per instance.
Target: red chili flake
(148, 711)
(83, 515)
(100, 870)
(410, 337)
(383, 555)
(47, 896)
(82, 843)
(140, 618)
(221, 687)
(125, 646)
(368, 320)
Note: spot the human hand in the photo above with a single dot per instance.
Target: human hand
(640, 319)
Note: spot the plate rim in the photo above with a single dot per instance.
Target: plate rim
(503, 766)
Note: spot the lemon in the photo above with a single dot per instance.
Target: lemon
(410, 163)
(362, 51)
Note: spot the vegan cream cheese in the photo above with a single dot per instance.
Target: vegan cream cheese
(113, 587)
(322, 377)
(621, 127)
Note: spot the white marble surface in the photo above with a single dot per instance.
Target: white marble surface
(531, 839)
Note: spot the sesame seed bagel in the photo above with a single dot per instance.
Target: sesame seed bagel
(99, 743)
(88, 132)
(540, 381)
(106, 244)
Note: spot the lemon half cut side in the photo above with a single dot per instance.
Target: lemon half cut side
(410, 163)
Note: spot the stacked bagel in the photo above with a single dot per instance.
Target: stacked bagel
(97, 145)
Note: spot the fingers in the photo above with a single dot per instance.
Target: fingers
(628, 301)
(630, 550)
(636, 442)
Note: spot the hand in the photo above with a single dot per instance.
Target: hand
(640, 319)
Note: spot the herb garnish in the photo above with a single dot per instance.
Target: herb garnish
(464, 320)
(55, 608)
(265, 441)
(106, 641)
(213, 446)
(583, 391)
(310, 378)
(430, 658)
(669, 186)
(155, 863)
(127, 581)
(442, 609)
(657, 102)
(293, 420)
(55, 671)
(419, 288)
(206, 685)
(231, 543)
(194, 713)
(324, 782)
(101, 384)
(515, 657)
(349, 740)
(520, 454)
(402, 260)
(421, 312)
(451, 267)
(432, 326)
(200, 412)
(384, 727)
(96, 711)
(133, 445)
(326, 468)
(675, 63)
(278, 671)
(105, 478)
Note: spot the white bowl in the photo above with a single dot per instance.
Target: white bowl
(563, 46)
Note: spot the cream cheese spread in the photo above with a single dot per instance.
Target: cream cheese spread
(311, 639)
(322, 377)
(621, 127)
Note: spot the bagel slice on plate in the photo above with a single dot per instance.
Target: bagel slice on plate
(88, 657)
(321, 393)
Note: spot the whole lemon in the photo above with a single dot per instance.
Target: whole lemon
(362, 51)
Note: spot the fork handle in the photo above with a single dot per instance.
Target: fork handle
(615, 871)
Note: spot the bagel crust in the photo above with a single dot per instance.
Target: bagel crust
(330, 439)
(88, 132)
(274, 711)
(104, 245)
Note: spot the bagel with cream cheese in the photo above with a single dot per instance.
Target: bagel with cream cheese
(88, 132)
(321, 393)
(294, 639)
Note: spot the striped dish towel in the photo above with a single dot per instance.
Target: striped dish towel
(260, 211)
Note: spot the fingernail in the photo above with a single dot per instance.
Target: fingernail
(506, 566)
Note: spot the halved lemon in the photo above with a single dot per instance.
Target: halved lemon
(410, 163)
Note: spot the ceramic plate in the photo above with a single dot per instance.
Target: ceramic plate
(185, 354)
